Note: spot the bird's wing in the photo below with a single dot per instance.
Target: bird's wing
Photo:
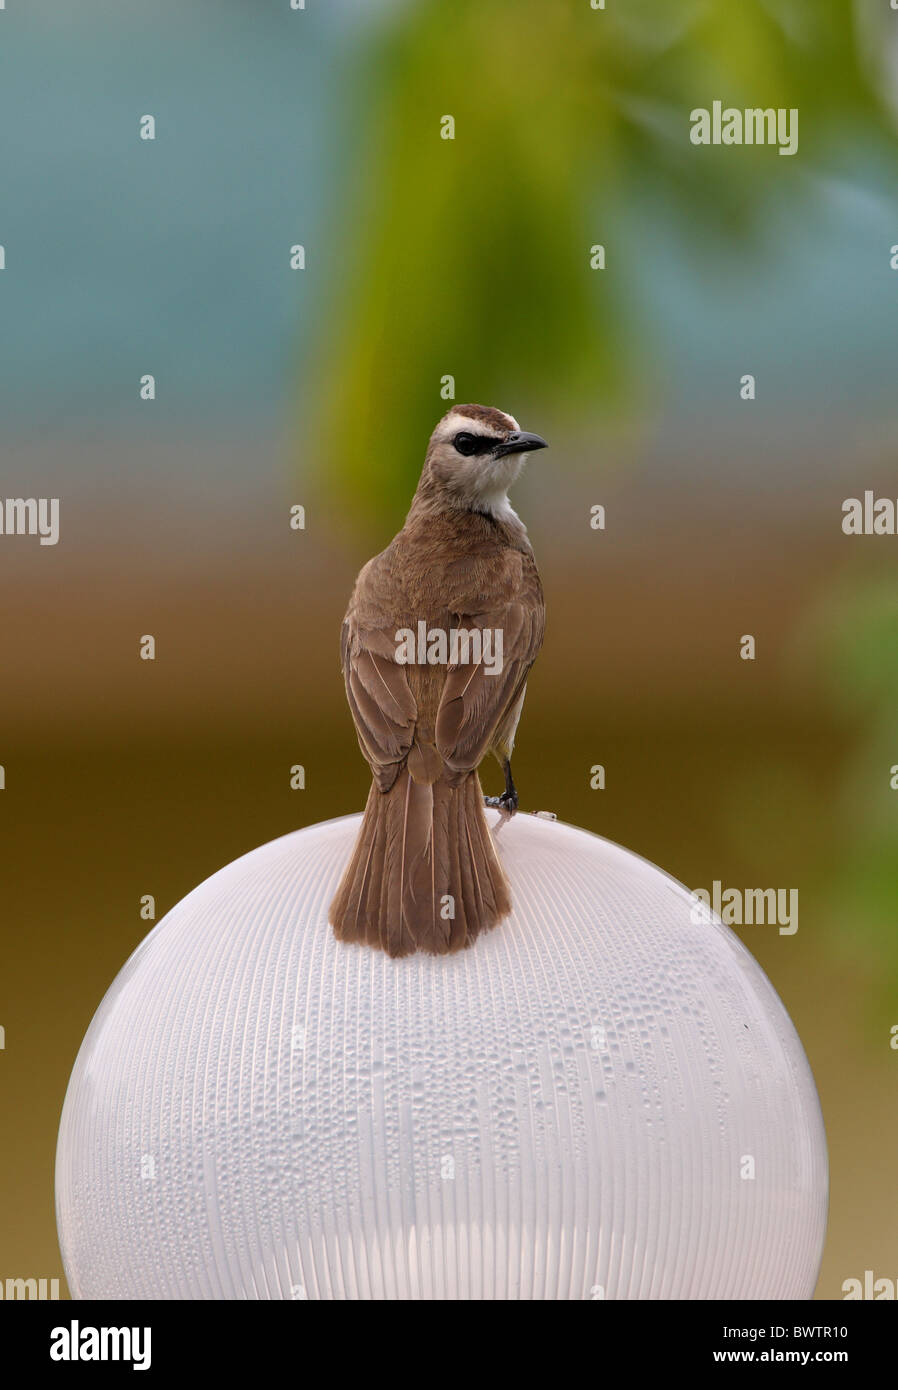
(381, 701)
(474, 702)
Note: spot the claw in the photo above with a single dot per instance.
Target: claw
(508, 801)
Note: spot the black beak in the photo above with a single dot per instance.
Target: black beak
(520, 442)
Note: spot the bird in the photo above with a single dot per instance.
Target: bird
(438, 640)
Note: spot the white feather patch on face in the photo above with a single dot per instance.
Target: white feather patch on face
(457, 420)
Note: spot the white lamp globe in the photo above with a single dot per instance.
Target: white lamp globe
(602, 1098)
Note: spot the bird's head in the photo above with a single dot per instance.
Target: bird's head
(475, 454)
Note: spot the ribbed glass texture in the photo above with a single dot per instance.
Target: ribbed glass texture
(603, 1098)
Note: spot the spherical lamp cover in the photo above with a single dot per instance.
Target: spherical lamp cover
(602, 1098)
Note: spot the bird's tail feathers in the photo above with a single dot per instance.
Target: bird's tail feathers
(424, 874)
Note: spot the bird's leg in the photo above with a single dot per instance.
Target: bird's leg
(508, 801)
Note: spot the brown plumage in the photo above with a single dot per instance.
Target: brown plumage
(424, 874)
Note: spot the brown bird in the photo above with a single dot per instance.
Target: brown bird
(440, 634)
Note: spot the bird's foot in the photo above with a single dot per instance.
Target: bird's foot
(507, 802)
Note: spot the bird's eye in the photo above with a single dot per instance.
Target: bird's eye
(466, 444)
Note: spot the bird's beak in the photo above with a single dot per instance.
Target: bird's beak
(520, 442)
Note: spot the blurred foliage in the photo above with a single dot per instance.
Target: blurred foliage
(852, 641)
(857, 630)
(471, 257)
(829, 817)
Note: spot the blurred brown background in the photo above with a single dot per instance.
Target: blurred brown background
(470, 258)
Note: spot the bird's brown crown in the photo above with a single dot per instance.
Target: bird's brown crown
(486, 414)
